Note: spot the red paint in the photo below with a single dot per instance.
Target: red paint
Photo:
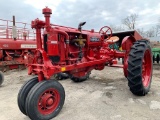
(16, 51)
(63, 45)
(106, 31)
(48, 101)
(127, 43)
(147, 68)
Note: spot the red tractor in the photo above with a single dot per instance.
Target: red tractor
(77, 52)
(17, 44)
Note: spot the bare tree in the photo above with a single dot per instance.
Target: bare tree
(130, 21)
(150, 32)
(157, 30)
(117, 28)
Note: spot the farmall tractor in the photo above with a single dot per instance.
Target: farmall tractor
(77, 52)
(17, 44)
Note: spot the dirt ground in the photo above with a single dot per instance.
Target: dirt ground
(105, 96)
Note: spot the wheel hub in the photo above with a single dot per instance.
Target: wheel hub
(48, 101)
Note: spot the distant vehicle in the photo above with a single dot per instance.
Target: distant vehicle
(156, 54)
(17, 45)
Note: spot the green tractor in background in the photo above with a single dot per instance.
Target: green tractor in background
(155, 44)
(155, 51)
(156, 54)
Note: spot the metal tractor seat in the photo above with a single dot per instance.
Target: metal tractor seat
(112, 40)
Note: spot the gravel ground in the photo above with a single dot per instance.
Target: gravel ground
(105, 96)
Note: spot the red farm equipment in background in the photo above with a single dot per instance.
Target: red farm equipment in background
(77, 52)
(17, 44)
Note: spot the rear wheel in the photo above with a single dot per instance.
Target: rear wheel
(153, 58)
(157, 58)
(80, 79)
(1, 78)
(23, 92)
(61, 76)
(45, 100)
(140, 68)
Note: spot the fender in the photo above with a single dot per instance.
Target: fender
(127, 43)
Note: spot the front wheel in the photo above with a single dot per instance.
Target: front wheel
(140, 68)
(45, 100)
(23, 92)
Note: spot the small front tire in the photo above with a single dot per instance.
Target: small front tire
(23, 92)
(45, 100)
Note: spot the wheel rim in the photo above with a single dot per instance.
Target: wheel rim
(48, 101)
(125, 66)
(146, 69)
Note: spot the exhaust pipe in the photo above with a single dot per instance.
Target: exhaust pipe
(14, 29)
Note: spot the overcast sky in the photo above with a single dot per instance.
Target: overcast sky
(96, 13)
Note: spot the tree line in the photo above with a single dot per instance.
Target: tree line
(130, 22)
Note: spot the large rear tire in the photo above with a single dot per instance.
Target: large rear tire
(80, 79)
(23, 92)
(1, 78)
(45, 100)
(140, 68)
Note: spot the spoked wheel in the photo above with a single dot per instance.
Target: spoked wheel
(23, 92)
(140, 68)
(80, 79)
(106, 31)
(1, 78)
(45, 100)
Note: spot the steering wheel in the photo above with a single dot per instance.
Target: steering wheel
(106, 31)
